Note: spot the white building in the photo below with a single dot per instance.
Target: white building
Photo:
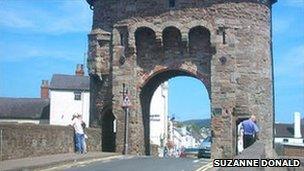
(69, 94)
(183, 138)
(177, 138)
(290, 134)
(188, 141)
(159, 115)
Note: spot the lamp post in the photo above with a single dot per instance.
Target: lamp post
(126, 105)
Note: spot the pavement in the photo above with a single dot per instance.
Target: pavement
(49, 161)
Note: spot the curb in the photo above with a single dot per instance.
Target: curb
(55, 165)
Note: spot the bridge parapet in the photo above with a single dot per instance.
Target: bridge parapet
(255, 151)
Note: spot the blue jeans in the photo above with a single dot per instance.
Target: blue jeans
(79, 142)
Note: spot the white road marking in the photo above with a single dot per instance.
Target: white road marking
(208, 167)
(205, 167)
(195, 161)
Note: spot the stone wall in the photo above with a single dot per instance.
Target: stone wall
(29, 140)
(289, 150)
(258, 151)
(224, 44)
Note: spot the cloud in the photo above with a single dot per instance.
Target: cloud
(59, 18)
(291, 60)
(287, 15)
(281, 25)
(293, 3)
(23, 52)
(14, 20)
(289, 67)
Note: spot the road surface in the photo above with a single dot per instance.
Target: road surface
(144, 164)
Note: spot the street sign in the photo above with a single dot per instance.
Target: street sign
(126, 102)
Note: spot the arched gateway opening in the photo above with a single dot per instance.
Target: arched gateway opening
(147, 92)
(108, 131)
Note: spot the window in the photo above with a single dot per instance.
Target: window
(171, 3)
(122, 39)
(285, 140)
(77, 95)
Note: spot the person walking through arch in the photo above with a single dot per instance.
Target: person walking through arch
(251, 130)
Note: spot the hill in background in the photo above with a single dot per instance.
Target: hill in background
(198, 122)
(199, 128)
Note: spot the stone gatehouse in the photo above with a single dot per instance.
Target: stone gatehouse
(226, 44)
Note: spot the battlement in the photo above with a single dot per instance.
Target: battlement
(107, 13)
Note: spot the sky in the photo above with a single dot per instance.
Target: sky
(41, 38)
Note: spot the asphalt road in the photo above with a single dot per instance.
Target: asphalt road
(144, 164)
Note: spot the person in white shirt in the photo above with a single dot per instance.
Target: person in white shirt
(79, 134)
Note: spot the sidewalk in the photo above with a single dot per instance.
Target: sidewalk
(52, 160)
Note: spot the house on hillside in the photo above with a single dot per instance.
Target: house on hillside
(181, 138)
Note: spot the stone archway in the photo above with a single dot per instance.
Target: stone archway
(226, 44)
(148, 89)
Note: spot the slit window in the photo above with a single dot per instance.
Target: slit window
(122, 39)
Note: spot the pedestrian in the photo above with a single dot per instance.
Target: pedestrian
(79, 134)
(166, 152)
(251, 130)
(84, 144)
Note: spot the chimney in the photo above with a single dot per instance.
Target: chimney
(297, 125)
(79, 70)
(44, 92)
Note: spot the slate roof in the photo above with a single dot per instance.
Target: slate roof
(24, 108)
(286, 130)
(70, 82)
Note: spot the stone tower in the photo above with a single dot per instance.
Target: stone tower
(226, 44)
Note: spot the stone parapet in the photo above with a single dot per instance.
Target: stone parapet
(29, 140)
